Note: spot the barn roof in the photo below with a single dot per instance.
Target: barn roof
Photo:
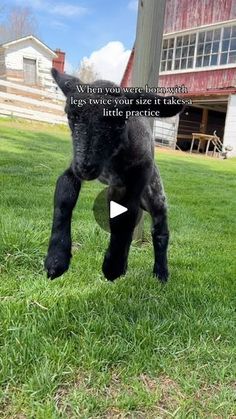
(127, 76)
(32, 38)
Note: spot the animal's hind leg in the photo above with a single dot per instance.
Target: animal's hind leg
(122, 227)
(153, 200)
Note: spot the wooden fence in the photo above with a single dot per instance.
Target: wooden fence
(18, 100)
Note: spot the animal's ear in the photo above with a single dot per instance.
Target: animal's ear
(66, 82)
(167, 106)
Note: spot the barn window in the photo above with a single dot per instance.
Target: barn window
(178, 53)
(167, 54)
(184, 52)
(29, 67)
(216, 47)
(228, 48)
(212, 47)
(208, 48)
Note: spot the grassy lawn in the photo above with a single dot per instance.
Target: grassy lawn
(80, 347)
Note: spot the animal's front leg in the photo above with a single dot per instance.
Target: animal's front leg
(59, 251)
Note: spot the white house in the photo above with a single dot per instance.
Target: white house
(27, 60)
(27, 89)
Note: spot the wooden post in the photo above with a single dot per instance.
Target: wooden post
(207, 147)
(203, 126)
(147, 54)
(214, 151)
(192, 142)
(199, 144)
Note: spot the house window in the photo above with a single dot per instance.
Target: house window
(29, 68)
(212, 47)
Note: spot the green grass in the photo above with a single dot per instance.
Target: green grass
(80, 347)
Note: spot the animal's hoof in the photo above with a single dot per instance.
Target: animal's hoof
(56, 264)
(161, 273)
(112, 269)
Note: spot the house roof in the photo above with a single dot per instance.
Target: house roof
(32, 38)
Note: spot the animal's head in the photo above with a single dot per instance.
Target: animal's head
(96, 137)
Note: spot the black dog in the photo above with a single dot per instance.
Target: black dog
(120, 153)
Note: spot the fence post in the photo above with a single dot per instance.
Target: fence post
(147, 54)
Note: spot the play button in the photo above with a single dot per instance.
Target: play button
(116, 209)
(105, 209)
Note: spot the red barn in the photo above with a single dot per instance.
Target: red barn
(199, 51)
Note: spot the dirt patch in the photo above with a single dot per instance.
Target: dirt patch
(166, 394)
(165, 390)
(165, 402)
(208, 393)
(114, 413)
(8, 410)
(115, 387)
(61, 402)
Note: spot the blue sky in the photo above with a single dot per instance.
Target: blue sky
(80, 27)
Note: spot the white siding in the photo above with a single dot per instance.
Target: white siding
(230, 126)
(30, 49)
(2, 61)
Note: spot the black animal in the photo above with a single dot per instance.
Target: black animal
(120, 153)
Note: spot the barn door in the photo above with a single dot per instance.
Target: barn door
(165, 131)
(29, 71)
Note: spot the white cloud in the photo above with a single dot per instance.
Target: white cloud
(67, 10)
(110, 61)
(133, 5)
(59, 25)
(59, 9)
